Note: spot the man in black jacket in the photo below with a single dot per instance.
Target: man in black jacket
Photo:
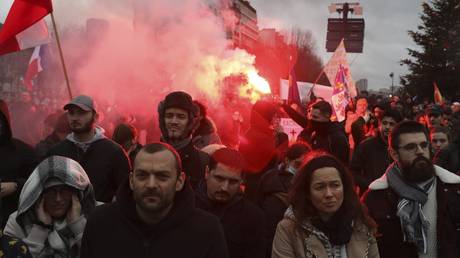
(415, 204)
(325, 134)
(17, 160)
(104, 161)
(178, 119)
(154, 215)
(220, 195)
(371, 158)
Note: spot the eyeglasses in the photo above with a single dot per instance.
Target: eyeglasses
(412, 147)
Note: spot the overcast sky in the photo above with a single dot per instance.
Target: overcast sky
(386, 39)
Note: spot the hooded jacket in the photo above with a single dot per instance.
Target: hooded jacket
(335, 141)
(243, 224)
(185, 232)
(104, 161)
(382, 203)
(273, 199)
(17, 161)
(258, 146)
(206, 134)
(370, 161)
(63, 240)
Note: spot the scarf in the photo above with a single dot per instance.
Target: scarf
(412, 197)
(338, 229)
(333, 248)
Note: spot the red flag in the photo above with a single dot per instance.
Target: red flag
(438, 99)
(22, 28)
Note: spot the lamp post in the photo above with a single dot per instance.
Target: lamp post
(392, 75)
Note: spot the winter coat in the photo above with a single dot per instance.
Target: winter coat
(243, 224)
(115, 230)
(358, 131)
(370, 161)
(289, 244)
(206, 134)
(17, 160)
(273, 199)
(258, 146)
(45, 145)
(334, 142)
(382, 203)
(449, 158)
(63, 239)
(194, 163)
(104, 161)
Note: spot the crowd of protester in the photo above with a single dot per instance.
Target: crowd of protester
(382, 183)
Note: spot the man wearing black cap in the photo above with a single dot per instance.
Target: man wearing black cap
(178, 119)
(105, 161)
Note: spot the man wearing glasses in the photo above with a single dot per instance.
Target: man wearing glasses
(415, 203)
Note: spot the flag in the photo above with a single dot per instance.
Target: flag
(339, 58)
(35, 67)
(24, 26)
(340, 95)
(438, 99)
(293, 95)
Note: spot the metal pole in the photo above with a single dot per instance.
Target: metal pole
(61, 56)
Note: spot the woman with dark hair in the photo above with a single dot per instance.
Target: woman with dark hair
(325, 218)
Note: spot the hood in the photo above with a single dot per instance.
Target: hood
(262, 114)
(55, 167)
(5, 117)
(444, 175)
(99, 135)
(205, 127)
(183, 207)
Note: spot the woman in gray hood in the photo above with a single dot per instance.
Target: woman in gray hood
(53, 206)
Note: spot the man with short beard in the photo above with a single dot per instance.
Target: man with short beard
(154, 215)
(105, 161)
(371, 158)
(220, 194)
(178, 118)
(416, 204)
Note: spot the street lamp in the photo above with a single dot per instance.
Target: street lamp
(392, 75)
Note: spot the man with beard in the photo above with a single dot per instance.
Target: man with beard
(178, 118)
(154, 215)
(325, 134)
(371, 158)
(220, 194)
(104, 161)
(416, 204)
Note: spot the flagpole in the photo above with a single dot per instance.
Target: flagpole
(61, 56)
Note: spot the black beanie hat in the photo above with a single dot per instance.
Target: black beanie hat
(180, 99)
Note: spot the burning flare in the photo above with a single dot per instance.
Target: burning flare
(215, 70)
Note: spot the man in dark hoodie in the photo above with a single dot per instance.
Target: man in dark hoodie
(258, 146)
(105, 161)
(275, 185)
(371, 158)
(154, 215)
(220, 194)
(17, 160)
(178, 119)
(326, 135)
